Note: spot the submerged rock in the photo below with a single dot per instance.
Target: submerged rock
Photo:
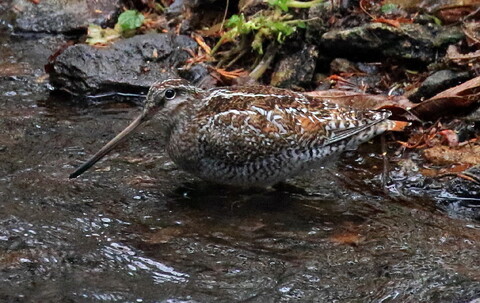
(461, 196)
(62, 16)
(130, 65)
(409, 41)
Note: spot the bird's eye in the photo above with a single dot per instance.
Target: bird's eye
(170, 94)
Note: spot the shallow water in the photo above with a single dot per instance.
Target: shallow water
(136, 229)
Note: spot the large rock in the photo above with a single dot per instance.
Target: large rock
(62, 16)
(459, 196)
(130, 65)
(296, 69)
(408, 42)
(438, 82)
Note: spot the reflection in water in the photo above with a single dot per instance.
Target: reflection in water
(128, 258)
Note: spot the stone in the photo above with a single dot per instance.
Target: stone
(341, 65)
(438, 82)
(62, 16)
(296, 69)
(407, 42)
(459, 196)
(130, 65)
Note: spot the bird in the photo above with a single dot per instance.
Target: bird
(249, 136)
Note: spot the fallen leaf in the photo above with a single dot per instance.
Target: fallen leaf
(456, 101)
(455, 13)
(472, 31)
(102, 36)
(453, 54)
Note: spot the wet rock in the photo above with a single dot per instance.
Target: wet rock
(130, 65)
(296, 69)
(194, 14)
(407, 42)
(178, 6)
(460, 196)
(319, 16)
(341, 65)
(200, 76)
(63, 16)
(437, 82)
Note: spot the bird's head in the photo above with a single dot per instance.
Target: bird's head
(167, 98)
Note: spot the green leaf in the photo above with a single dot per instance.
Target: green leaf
(388, 8)
(130, 19)
(265, 26)
(235, 20)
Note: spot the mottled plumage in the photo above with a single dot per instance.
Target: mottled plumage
(252, 135)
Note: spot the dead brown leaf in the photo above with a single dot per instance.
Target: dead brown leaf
(472, 31)
(453, 54)
(456, 101)
(455, 13)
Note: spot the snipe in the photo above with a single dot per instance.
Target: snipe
(252, 135)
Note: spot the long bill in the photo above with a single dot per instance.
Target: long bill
(109, 146)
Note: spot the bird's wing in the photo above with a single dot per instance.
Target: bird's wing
(261, 120)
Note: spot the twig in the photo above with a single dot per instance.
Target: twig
(224, 15)
(263, 65)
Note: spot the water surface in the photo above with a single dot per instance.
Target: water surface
(136, 229)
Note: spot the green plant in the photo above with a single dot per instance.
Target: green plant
(274, 24)
(128, 22)
(284, 5)
(131, 19)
